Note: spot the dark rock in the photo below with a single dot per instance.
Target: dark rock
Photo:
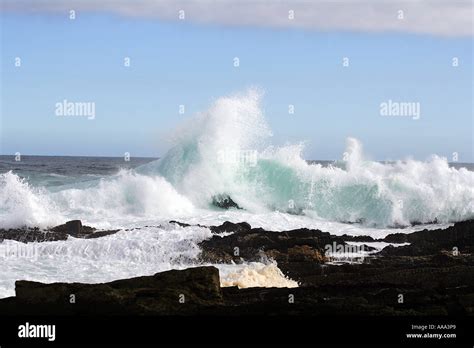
(297, 252)
(457, 238)
(396, 238)
(432, 279)
(62, 232)
(173, 292)
(231, 227)
(224, 201)
(73, 228)
(182, 224)
(348, 290)
(254, 243)
(29, 235)
(363, 239)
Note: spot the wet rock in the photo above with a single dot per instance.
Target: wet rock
(297, 252)
(72, 228)
(224, 201)
(181, 224)
(349, 290)
(29, 235)
(432, 279)
(458, 238)
(253, 244)
(173, 292)
(231, 227)
(363, 239)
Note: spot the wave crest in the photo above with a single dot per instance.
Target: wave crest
(226, 151)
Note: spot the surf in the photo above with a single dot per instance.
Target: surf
(226, 153)
(354, 190)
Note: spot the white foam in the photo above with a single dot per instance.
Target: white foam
(279, 221)
(254, 274)
(183, 182)
(126, 195)
(125, 254)
(355, 189)
(22, 204)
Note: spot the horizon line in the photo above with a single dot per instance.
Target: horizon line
(156, 158)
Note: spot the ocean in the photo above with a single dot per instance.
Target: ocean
(224, 152)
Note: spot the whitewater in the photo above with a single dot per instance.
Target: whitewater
(225, 151)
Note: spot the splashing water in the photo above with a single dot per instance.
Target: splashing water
(226, 150)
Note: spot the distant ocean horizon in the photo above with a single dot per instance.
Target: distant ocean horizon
(75, 166)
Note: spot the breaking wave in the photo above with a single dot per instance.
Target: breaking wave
(226, 151)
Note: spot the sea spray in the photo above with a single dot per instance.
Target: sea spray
(352, 190)
(184, 182)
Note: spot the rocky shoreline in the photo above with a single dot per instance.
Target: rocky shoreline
(72, 228)
(431, 275)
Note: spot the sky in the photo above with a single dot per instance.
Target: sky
(190, 62)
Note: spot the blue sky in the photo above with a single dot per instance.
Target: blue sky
(188, 63)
